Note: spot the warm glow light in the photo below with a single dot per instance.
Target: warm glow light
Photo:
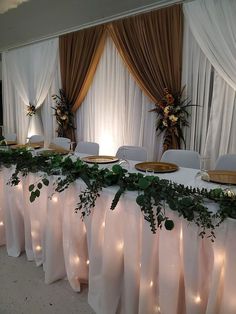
(151, 283)
(181, 234)
(76, 260)
(87, 262)
(103, 224)
(55, 199)
(19, 186)
(1, 223)
(140, 265)
(33, 234)
(219, 258)
(84, 228)
(106, 144)
(197, 299)
(38, 248)
(120, 246)
(157, 309)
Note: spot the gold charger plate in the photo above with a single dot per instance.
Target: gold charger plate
(100, 159)
(160, 167)
(221, 176)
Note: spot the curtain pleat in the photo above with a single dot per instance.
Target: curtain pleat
(151, 46)
(79, 55)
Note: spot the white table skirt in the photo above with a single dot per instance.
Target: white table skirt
(129, 269)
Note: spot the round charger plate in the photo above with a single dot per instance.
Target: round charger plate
(221, 176)
(157, 167)
(100, 159)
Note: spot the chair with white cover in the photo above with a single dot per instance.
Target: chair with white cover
(89, 148)
(183, 158)
(36, 138)
(132, 153)
(62, 142)
(10, 137)
(226, 162)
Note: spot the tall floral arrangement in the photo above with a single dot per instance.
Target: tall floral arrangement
(64, 116)
(172, 116)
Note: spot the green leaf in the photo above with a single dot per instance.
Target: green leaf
(31, 187)
(140, 200)
(32, 197)
(45, 181)
(117, 169)
(143, 183)
(169, 224)
(37, 193)
(40, 185)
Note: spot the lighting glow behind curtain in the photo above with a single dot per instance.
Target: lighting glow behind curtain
(115, 112)
(30, 70)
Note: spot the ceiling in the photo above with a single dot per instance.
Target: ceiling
(38, 19)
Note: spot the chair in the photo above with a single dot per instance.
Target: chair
(132, 153)
(36, 138)
(226, 162)
(10, 137)
(183, 158)
(89, 148)
(63, 142)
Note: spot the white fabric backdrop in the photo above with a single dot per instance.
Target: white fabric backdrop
(115, 112)
(213, 24)
(27, 74)
(212, 130)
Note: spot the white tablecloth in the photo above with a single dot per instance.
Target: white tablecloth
(129, 269)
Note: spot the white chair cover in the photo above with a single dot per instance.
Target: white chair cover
(36, 139)
(183, 158)
(132, 153)
(89, 148)
(62, 142)
(226, 162)
(10, 137)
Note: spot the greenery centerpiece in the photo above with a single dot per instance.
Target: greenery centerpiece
(64, 115)
(153, 193)
(172, 116)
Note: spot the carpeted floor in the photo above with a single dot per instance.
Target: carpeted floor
(23, 291)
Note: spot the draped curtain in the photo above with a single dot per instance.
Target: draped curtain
(27, 76)
(215, 35)
(151, 46)
(79, 55)
(115, 111)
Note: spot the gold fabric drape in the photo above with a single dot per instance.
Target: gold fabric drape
(151, 46)
(79, 56)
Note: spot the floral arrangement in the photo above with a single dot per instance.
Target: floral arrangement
(63, 113)
(172, 117)
(31, 110)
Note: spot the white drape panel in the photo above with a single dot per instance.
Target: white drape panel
(115, 112)
(212, 129)
(213, 24)
(30, 71)
(196, 76)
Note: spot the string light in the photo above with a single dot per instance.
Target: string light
(120, 246)
(151, 284)
(87, 262)
(55, 199)
(38, 248)
(197, 299)
(1, 223)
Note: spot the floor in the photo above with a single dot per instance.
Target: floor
(23, 291)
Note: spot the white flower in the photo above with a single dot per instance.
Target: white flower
(167, 109)
(164, 123)
(173, 118)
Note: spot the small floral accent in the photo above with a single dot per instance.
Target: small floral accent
(172, 117)
(63, 113)
(31, 110)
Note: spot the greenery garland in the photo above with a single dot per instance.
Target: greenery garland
(153, 192)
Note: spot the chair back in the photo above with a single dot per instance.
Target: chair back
(63, 142)
(226, 162)
(10, 137)
(89, 148)
(36, 139)
(183, 158)
(132, 153)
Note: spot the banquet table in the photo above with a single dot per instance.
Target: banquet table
(129, 269)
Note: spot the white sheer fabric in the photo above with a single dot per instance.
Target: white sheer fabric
(115, 112)
(212, 129)
(28, 73)
(214, 27)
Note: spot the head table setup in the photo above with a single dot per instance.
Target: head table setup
(179, 259)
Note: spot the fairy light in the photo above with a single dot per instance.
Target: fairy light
(1, 223)
(151, 284)
(87, 262)
(103, 224)
(157, 309)
(120, 246)
(33, 234)
(38, 248)
(197, 299)
(76, 260)
(55, 199)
